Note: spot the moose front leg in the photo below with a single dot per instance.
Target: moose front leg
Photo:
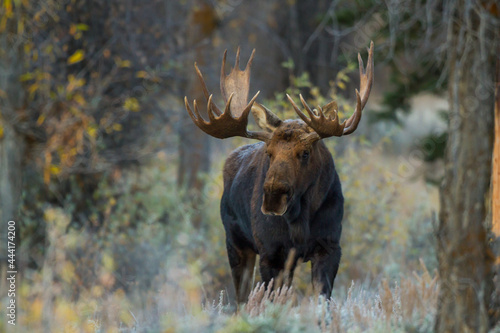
(278, 268)
(242, 264)
(324, 266)
(270, 270)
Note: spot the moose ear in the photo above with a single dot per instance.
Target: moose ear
(264, 118)
(330, 109)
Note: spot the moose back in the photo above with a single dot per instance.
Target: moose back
(282, 196)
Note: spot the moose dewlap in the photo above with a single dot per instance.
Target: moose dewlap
(282, 196)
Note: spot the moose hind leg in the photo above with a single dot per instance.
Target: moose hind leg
(324, 267)
(242, 262)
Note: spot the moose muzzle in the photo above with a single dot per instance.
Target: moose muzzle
(276, 199)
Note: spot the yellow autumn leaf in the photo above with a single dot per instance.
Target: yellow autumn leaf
(131, 104)
(92, 131)
(55, 170)
(82, 27)
(141, 74)
(67, 272)
(125, 63)
(78, 98)
(36, 308)
(78, 56)
(7, 4)
(117, 127)
(108, 262)
(40, 119)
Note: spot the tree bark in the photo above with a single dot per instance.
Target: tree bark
(11, 158)
(194, 145)
(464, 257)
(12, 143)
(495, 204)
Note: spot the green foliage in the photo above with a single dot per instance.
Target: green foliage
(404, 87)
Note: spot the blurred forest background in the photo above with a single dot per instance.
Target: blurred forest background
(116, 193)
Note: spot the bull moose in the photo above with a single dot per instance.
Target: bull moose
(281, 195)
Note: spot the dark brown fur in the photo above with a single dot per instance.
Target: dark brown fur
(281, 196)
(271, 177)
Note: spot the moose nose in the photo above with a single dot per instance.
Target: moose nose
(276, 198)
(277, 188)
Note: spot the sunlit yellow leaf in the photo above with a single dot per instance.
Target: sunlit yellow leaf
(55, 170)
(117, 127)
(92, 131)
(68, 271)
(131, 104)
(32, 89)
(36, 308)
(78, 56)
(82, 27)
(65, 313)
(126, 317)
(7, 4)
(125, 63)
(108, 262)
(40, 119)
(141, 74)
(26, 77)
(78, 98)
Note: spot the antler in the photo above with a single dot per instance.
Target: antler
(327, 126)
(233, 121)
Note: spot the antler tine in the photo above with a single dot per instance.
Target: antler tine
(228, 123)
(366, 77)
(250, 61)
(365, 85)
(188, 108)
(298, 111)
(356, 117)
(327, 126)
(222, 70)
(237, 59)
(197, 113)
(247, 109)
(306, 106)
(205, 89)
(210, 110)
(227, 109)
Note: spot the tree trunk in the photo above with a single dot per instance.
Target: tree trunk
(465, 260)
(12, 144)
(495, 201)
(194, 148)
(11, 157)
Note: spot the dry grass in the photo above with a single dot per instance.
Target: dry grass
(407, 305)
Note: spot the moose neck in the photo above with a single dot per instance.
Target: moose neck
(305, 203)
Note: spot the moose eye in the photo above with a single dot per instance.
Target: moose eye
(305, 155)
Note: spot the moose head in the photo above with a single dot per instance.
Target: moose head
(290, 144)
